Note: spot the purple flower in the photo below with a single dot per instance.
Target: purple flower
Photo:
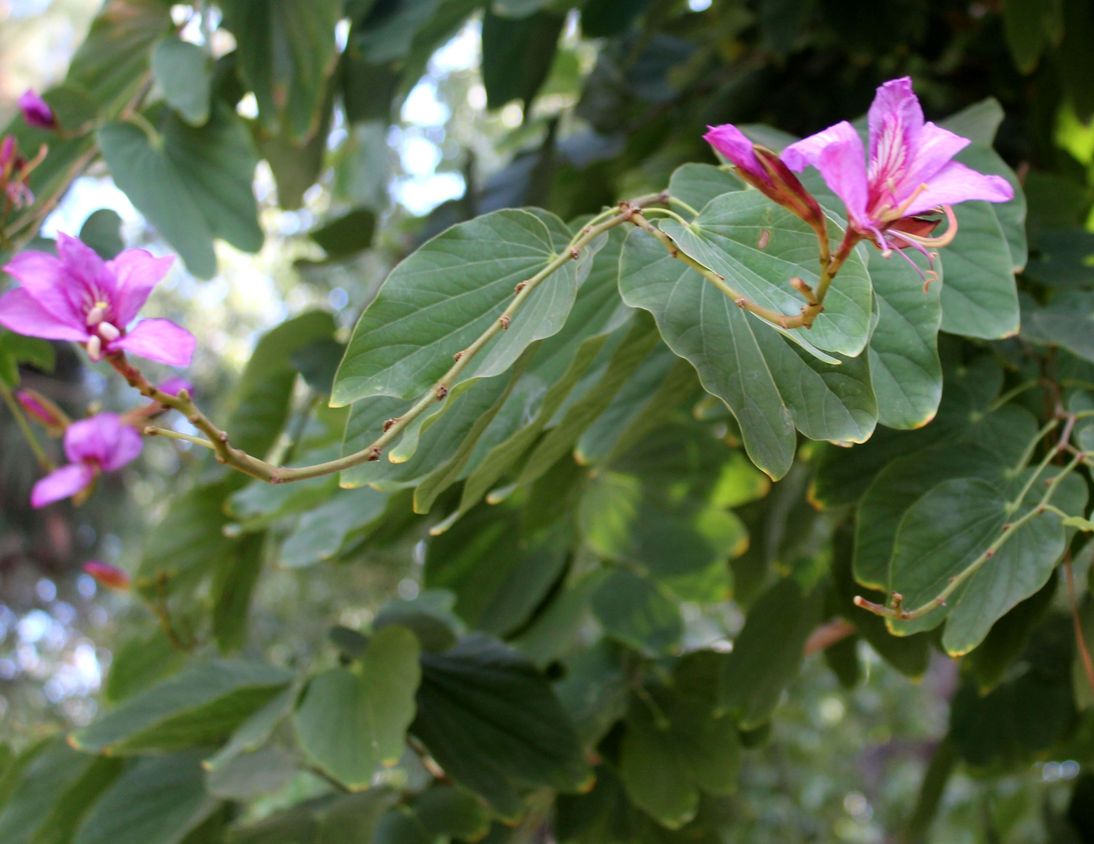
(762, 169)
(911, 170)
(100, 443)
(77, 296)
(36, 111)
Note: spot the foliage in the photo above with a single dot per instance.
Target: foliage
(611, 482)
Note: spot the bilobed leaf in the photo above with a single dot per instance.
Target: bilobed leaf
(352, 721)
(444, 295)
(192, 183)
(347, 234)
(323, 531)
(904, 367)
(156, 801)
(674, 747)
(202, 703)
(1066, 321)
(138, 663)
(949, 528)
(770, 384)
(102, 232)
(185, 73)
(331, 819)
(233, 588)
(491, 721)
(697, 184)
(15, 349)
(517, 53)
(252, 733)
(636, 613)
(287, 51)
(249, 775)
(438, 813)
(768, 652)
(758, 247)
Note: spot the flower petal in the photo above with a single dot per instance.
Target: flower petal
(36, 111)
(136, 272)
(838, 154)
(732, 143)
(159, 340)
(23, 314)
(934, 149)
(87, 269)
(61, 483)
(895, 119)
(46, 280)
(957, 183)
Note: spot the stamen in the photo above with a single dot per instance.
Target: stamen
(939, 241)
(902, 209)
(96, 314)
(95, 348)
(108, 331)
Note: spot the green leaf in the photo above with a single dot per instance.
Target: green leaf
(438, 300)
(202, 703)
(698, 184)
(1066, 321)
(185, 73)
(352, 721)
(287, 51)
(638, 614)
(102, 232)
(156, 801)
(193, 184)
(950, 527)
(768, 652)
(492, 722)
(346, 235)
(674, 747)
(517, 54)
(262, 397)
(256, 730)
(52, 794)
(248, 776)
(140, 662)
(905, 371)
(769, 384)
(499, 575)
(337, 819)
(325, 530)
(1024, 31)
(15, 349)
(963, 453)
(438, 813)
(758, 247)
(233, 589)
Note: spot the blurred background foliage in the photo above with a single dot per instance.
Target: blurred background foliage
(423, 113)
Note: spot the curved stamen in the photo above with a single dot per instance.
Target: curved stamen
(936, 241)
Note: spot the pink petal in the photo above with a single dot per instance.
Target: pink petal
(36, 111)
(838, 154)
(136, 272)
(934, 149)
(159, 340)
(61, 483)
(175, 385)
(895, 119)
(957, 183)
(46, 280)
(84, 266)
(732, 143)
(102, 439)
(24, 315)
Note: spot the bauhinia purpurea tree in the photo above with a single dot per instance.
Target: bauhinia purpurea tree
(598, 426)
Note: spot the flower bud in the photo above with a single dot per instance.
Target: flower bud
(36, 111)
(43, 411)
(107, 575)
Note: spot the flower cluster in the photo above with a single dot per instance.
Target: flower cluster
(909, 172)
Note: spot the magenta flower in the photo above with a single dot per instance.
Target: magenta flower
(36, 111)
(77, 296)
(100, 443)
(911, 170)
(43, 411)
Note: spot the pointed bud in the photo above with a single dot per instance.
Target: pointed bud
(43, 411)
(36, 111)
(107, 575)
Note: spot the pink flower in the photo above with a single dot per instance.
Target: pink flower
(100, 443)
(43, 411)
(911, 170)
(77, 296)
(762, 169)
(107, 575)
(36, 111)
(175, 385)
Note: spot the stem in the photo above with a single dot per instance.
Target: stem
(1018, 499)
(1013, 393)
(804, 319)
(679, 203)
(24, 427)
(899, 613)
(1077, 624)
(250, 465)
(153, 431)
(669, 213)
(833, 265)
(829, 634)
(1027, 455)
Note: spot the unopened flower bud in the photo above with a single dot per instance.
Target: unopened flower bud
(43, 411)
(36, 111)
(107, 575)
